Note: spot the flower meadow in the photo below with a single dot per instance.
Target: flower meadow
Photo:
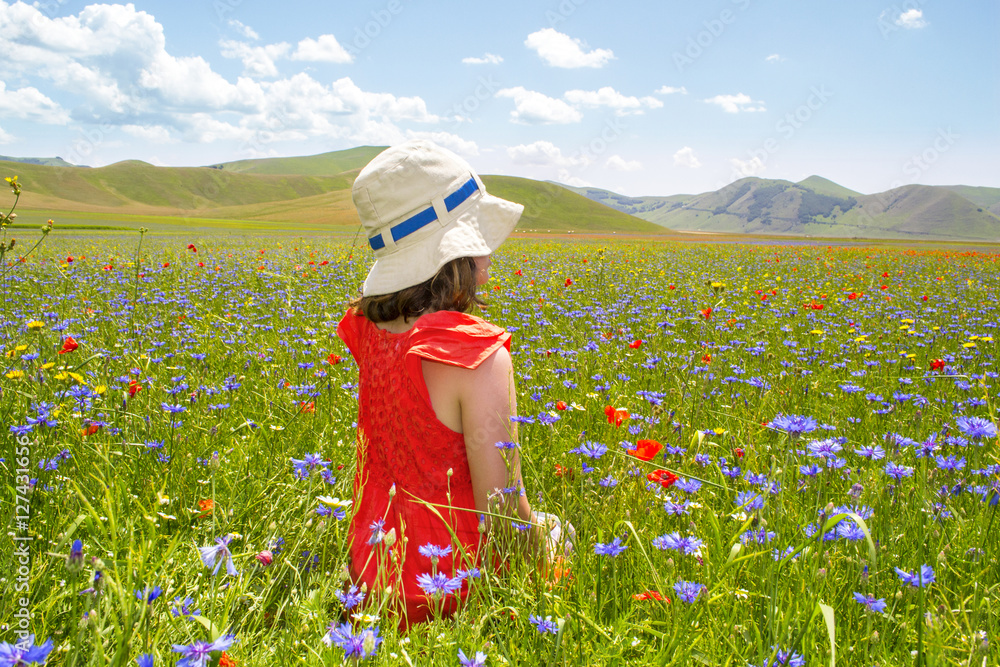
(770, 455)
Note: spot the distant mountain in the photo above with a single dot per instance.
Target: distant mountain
(819, 207)
(47, 161)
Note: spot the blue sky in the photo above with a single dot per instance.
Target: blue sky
(644, 98)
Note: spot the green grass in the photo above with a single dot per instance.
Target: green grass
(627, 332)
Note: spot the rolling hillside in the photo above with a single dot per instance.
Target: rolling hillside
(313, 190)
(819, 207)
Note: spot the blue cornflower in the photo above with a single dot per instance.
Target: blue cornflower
(147, 594)
(850, 531)
(173, 409)
(687, 485)
(748, 500)
(612, 548)
(377, 533)
(703, 459)
(950, 462)
(687, 545)
(897, 471)
(307, 464)
(144, 660)
(471, 573)
(794, 425)
(214, 556)
(823, 449)
(609, 482)
(504, 444)
(479, 660)
(688, 591)
(434, 552)
(871, 603)
(873, 452)
(926, 576)
(197, 654)
(761, 536)
(976, 428)
(593, 450)
(810, 470)
(438, 585)
(543, 624)
(352, 598)
(21, 653)
(182, 607)
(783, 657)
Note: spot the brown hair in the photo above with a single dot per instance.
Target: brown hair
(453, 287)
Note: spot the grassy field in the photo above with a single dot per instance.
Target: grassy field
(828, 412)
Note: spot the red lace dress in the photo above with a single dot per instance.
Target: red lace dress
(402, 444)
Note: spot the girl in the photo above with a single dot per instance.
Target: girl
(436, 448)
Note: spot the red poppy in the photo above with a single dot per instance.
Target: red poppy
(560, 405)
(68, 345)
(564, 472)
(739, 452)
(206, 505)
(883, 287)
(664, 478)
(308, 406)
(671, 287)
(635, 345)
(646, 449)
(89, 429)
(650, 595)
(226, 661)
(192, 248)
(519, 273)
(924, 297)
(706, 313)
(615, 415)
(937, 364)
(707, 358)
(852, 296)
(133, 388)
(69, 260)
(334, 359)
(569, 281)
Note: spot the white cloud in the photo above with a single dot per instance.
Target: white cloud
(912, 19)
(565, 177)
(244, 30)
(618, 163)
(30, 104)
(487, 59)
(736, 103)
(5, 138)
(258, 61)
(774, 58)
(110, 65)
(544, 154)
(611, 98)
(752, 167)
(156, 134)
(685, 157)
(326, 49)
(534, 108)
(671, 90)
(448, 140)
(560, 50)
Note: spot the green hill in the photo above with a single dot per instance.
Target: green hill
(824, 186)
(47, 161)
(324, 164)
(551, 207)
(135, 188)
(988, 198)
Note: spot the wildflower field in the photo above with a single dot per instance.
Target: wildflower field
(771, 455)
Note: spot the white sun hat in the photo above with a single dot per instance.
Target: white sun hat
(422, 206)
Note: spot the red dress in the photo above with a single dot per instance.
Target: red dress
(401, 443)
